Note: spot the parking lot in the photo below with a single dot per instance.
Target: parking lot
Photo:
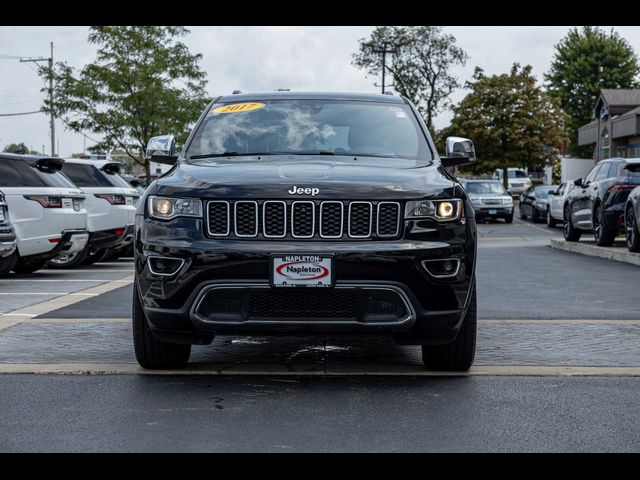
(557, 367)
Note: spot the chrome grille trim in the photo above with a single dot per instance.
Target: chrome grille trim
(341, 219)
(350, 217)
(313, 219)
(235, 218)
(264, 218)
(228, 231)
(322, 223)
(397, 232)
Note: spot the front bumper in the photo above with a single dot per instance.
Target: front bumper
(435, 306)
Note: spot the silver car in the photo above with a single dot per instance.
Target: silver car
(555, 210)
(489, 199)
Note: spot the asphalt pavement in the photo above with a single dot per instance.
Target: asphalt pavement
(557, 369)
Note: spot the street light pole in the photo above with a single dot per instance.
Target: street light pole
(51, 120)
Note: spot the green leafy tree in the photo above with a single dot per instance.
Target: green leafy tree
(511, 120)
(585, 62)
(420, 64)
(19, 148)
(144, 82)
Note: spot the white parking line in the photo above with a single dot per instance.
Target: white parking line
(318, 370)
(15, 317)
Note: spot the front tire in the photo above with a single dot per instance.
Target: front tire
(571, 233)
(7, 264)
(551, 222)
(632, 231)
(458, 355)
(603, 236)
(535, 215)
(522, 215)
(509, 218)
(151, 353)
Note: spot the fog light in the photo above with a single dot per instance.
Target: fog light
(442, 268)
(164, 266)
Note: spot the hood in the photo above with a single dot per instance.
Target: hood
(304, 179)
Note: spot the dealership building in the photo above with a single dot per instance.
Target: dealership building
(615, 132)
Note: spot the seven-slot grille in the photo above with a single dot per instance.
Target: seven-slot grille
(304, 219)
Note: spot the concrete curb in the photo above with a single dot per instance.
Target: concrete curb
(315, 370)
(590, 249)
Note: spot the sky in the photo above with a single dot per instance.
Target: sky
(255, 59)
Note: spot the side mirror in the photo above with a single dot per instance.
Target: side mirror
(578, 182)
(509, 191)
(162, 149)
(459, 151)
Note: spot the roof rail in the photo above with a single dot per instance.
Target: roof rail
(236, 92)
(388, 93)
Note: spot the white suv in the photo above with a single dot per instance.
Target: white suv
(47, 210)
(111, 205)
(519, 181)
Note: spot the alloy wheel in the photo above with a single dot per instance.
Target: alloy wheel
(630, 227)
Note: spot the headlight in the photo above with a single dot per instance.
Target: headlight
(507, 201)
(168, 208)
(1, 213)
(438, 209)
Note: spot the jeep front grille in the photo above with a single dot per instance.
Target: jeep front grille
(306, 219)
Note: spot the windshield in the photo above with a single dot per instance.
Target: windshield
(514, 174)
(485, 187)
(311, 127)
(85, 175)
(544, 192)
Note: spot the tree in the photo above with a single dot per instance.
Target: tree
(511, 120)
(19, 148)
(585, 62)
(144, 82)
(421, 62)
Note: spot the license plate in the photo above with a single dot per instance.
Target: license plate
(493, 212)
(314, 271)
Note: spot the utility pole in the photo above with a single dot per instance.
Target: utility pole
(383, 50)
(51, 120)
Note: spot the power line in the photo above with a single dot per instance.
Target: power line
(21, 113)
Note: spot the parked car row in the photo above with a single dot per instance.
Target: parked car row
(62, 213)
(605, 203)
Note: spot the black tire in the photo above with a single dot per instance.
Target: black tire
(535, 215)
(7, 264)
(69, 261)
(458, 355)
(632, 231)
(151, 353)
(28, 267)
(522, 215)
(551, 222)
(508, 219)
(603, 236)
(571, 234)
(95, 256)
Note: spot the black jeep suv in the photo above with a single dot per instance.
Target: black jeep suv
(598, 203)
(306, 214)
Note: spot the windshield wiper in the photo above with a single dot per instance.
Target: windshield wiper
(257, 154)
